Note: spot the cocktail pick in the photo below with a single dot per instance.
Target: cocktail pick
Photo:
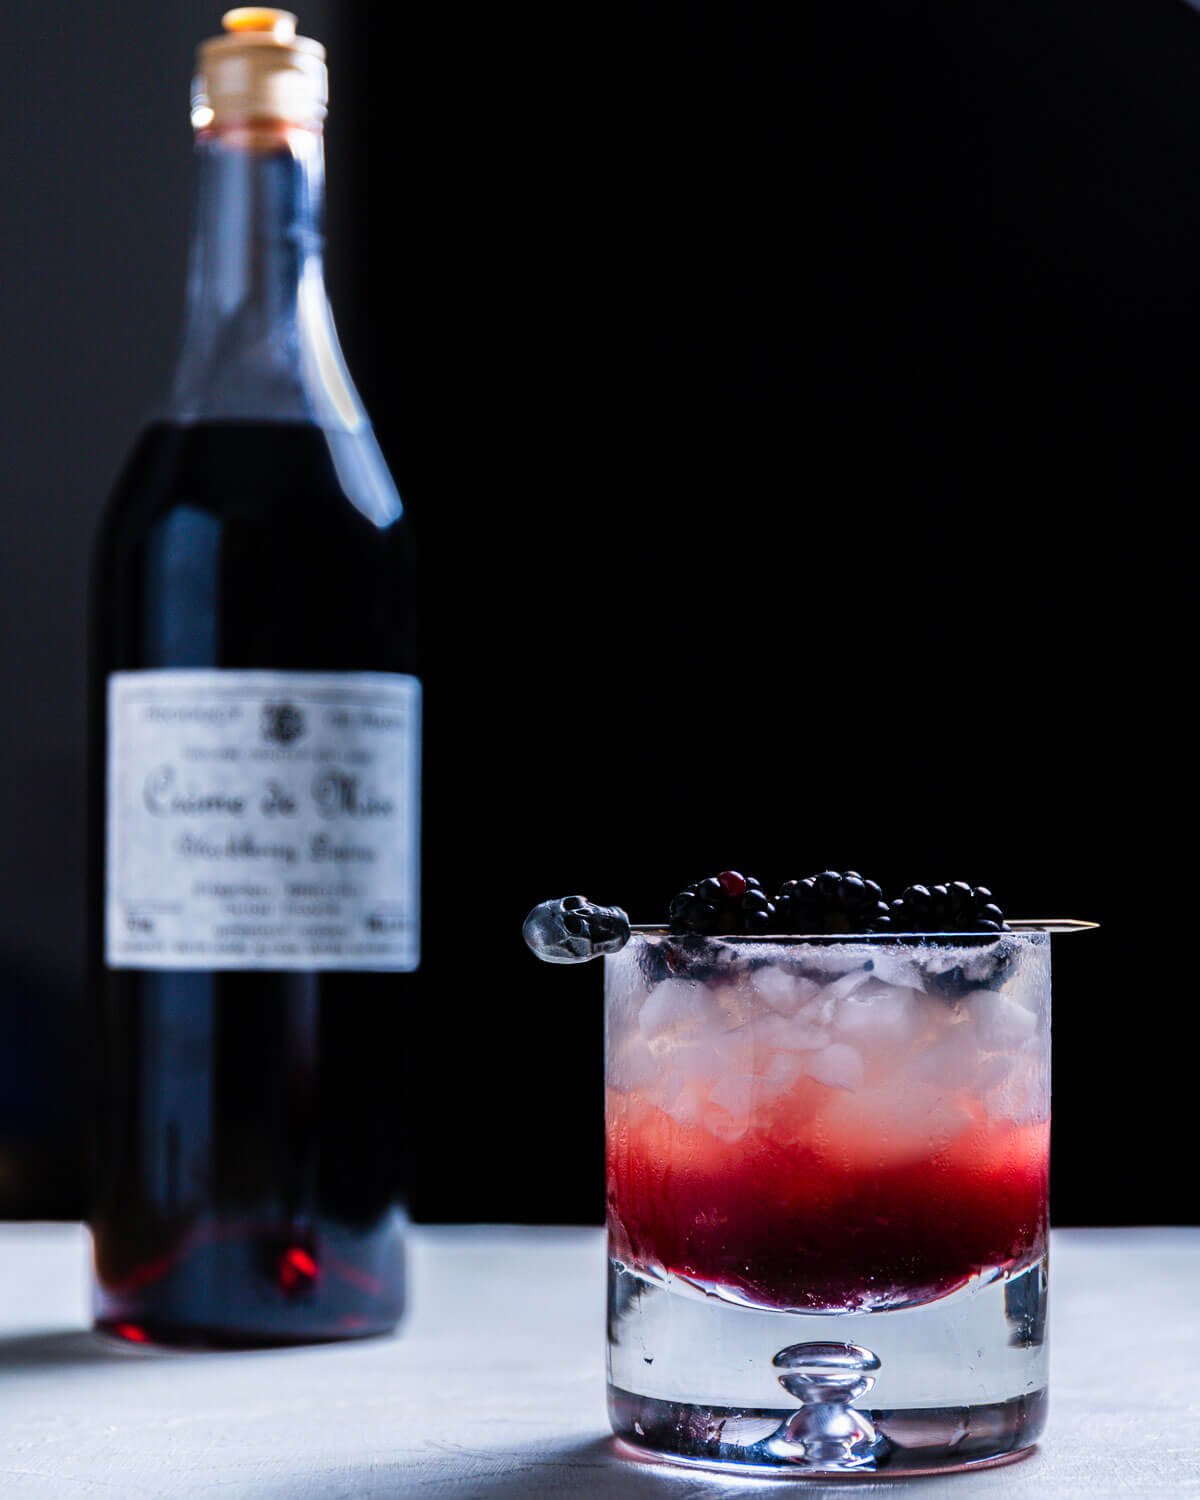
(1059, 926)
(573, 930)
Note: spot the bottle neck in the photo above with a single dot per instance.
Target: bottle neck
(259, 341)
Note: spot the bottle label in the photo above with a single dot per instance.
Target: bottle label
(262, 820)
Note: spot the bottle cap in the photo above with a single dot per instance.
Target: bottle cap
(259, 72)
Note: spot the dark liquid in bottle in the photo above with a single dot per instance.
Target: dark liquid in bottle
(249, 1152)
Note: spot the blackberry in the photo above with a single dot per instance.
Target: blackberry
(832, 902)
(728, 903)
(953, 907)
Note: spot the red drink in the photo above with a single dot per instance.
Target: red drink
(790, 1215)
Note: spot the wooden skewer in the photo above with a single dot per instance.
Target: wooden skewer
(1052, 924)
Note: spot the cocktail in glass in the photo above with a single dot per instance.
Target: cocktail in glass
(827, 1199)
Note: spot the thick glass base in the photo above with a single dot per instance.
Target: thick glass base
(951, 1383)
(937, 1440)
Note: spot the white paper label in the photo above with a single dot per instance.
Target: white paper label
(262, 820)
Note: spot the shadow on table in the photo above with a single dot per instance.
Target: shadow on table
(596, 1470)
(58, 1349)
(604, 1470)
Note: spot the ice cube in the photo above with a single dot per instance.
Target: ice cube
(991, 1071)
(783, 992)
(631, 1064)
(675, 1008)
(831, 993)
(687, 1104)
(895, 968)
(832, 961)
(686, 1064)
(734, 1093)
(878, 1016)
(838, 1066)
(953, 1061)
(779, 1073)
(733, 1007)
(799, 1033)
(1001, 1023)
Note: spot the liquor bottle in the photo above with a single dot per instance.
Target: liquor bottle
(255, 778)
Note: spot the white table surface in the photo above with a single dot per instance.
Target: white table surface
(494, 1388)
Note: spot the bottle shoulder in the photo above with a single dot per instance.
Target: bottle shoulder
(239, 545)
(250, 473)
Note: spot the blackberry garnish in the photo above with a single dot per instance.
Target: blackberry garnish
(953, 907)
(729, 903)
(832, 902)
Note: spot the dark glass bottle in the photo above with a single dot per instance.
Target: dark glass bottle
(256, 709)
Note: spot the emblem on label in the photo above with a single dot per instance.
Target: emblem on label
(282, 722)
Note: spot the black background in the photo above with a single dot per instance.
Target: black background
(797, 407)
